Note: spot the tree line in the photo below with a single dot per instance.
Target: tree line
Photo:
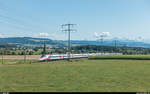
(14, 50)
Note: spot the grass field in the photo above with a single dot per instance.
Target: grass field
(77, 76)
(121, 57)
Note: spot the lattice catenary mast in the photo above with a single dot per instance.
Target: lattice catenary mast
(68, 29)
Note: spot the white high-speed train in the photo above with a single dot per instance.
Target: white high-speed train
(65, 56)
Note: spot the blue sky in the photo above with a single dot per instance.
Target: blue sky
(31, 18)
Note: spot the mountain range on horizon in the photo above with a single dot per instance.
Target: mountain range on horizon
(63, 43)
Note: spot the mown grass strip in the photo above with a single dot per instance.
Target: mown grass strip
(121, 57)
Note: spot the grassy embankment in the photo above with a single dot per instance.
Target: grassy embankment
(82, 76)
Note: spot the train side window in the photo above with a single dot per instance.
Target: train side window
(53, 56)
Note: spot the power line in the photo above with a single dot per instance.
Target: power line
(69, 30)
(18, 26)
(4, 9)
(19, 23)
(15, 26)
(14, 22)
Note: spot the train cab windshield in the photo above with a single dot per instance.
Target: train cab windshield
(43, 55)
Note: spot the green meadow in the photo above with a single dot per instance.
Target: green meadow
(85, 75)
(121, 57)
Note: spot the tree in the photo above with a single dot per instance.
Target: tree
(13, 53)
(31, 53)
(36, 49)
(44, 49)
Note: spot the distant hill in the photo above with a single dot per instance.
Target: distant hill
(128, 43)
(61, 43)
(30, 41)
(5, 45)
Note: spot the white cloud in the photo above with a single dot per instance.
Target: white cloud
(105, 34)
(46, 35)
(1, 35)
(139, 39)
(43, 34)
(95, 34)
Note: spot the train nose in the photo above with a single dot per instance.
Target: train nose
(41, 59)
